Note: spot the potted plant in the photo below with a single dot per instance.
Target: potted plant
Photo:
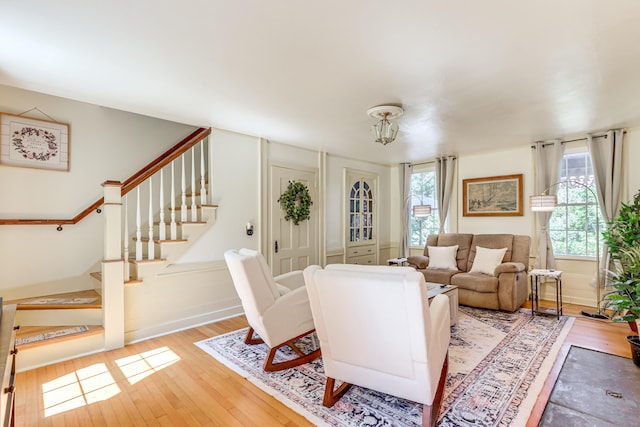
(621, 237)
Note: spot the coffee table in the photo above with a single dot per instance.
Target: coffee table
(451, 291)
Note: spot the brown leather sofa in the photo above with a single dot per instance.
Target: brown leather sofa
(506, 290)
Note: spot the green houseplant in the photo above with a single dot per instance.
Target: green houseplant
(622, 237)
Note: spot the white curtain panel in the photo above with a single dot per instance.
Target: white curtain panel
(547, 160)
(405, 191)
(606, 159)
(445, 167)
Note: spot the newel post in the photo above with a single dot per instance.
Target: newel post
(113, 268)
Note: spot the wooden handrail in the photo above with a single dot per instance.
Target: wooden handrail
(136, 179)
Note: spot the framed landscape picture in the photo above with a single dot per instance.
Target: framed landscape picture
(34, 143)
(492, 196)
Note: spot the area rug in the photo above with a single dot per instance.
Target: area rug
(594, 389)
(52, 334)
(53, 301)
(497, 365)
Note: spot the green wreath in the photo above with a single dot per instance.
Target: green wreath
(295, 202)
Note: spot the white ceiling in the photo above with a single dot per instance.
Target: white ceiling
(471, 75)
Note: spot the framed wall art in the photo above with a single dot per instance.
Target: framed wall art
(492, 196)
(34, 143)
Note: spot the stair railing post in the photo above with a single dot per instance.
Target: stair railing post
(194, 209)
(203, 188)
(151, 253)
(112, 268)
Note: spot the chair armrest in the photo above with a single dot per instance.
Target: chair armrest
(440, 327)
(292, 306)
(509, 267)
(418, 261)
(292, 280)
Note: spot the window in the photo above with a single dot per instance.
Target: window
(423, 192)
(573, 222)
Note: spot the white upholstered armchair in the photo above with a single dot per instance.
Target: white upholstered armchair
(277, 308)
(377, 330)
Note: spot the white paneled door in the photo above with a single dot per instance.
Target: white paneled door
(293, 247)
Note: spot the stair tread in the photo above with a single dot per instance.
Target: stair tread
(69, 300)
(98, 276)
(35, 336)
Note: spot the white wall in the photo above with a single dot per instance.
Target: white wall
(235, 160)
(105, 144)
(506, 162)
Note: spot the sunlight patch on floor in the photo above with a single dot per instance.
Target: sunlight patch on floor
(95, 383)
(140, 366)
(91, 384)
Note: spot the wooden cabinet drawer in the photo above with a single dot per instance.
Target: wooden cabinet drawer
(355, 251)
(363, 260)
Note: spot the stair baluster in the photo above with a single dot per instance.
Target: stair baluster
(173, 227)
(151, 255)
(194, 210)
(162, 226)
(138, 227)
(183, 184)
(203, 189)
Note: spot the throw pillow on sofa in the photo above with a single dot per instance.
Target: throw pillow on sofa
(443, 257)
(487, 260)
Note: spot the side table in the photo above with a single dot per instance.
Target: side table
(397, 261)
(536, 276)
(451, 291)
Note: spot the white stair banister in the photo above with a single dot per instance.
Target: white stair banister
(194, 210)
(203, 189)
(112, 268)
(173, 227)
(138, 227)
(183, 184)
(162, 226)
(150, 243)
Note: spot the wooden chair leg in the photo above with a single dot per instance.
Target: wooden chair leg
(331, 396)
(430, 412)
(302, 358)
(250, 340)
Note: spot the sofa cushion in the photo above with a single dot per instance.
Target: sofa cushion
(451, 239)
(439, 275)
(487, 260)
(477, 282)
(443, 257)
(491, 241)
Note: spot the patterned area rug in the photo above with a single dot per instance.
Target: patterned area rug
(497, 365)
(52, 334)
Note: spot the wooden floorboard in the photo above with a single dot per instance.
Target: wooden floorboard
(197, 390)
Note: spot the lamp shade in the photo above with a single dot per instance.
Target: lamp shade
(543, 203)
(421, 211)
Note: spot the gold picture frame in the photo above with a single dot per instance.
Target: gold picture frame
(33, 143)
(492, 196)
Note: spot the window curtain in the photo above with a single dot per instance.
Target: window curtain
(547, 160)
(606, 159)
(405, 192)
(445, 167)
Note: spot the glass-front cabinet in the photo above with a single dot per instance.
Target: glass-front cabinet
(361, 243)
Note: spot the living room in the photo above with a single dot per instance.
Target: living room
(110, 142)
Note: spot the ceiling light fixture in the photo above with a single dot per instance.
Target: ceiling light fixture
(384, 131)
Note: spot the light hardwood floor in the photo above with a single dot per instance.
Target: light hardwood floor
(168, 381)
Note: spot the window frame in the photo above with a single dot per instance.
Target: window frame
(422, 198)
(565, 203)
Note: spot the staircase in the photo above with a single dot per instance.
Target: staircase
(124, 301)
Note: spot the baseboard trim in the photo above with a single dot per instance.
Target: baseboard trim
(132, 337)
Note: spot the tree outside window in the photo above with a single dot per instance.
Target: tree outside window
(573, 222)
(423, 192)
